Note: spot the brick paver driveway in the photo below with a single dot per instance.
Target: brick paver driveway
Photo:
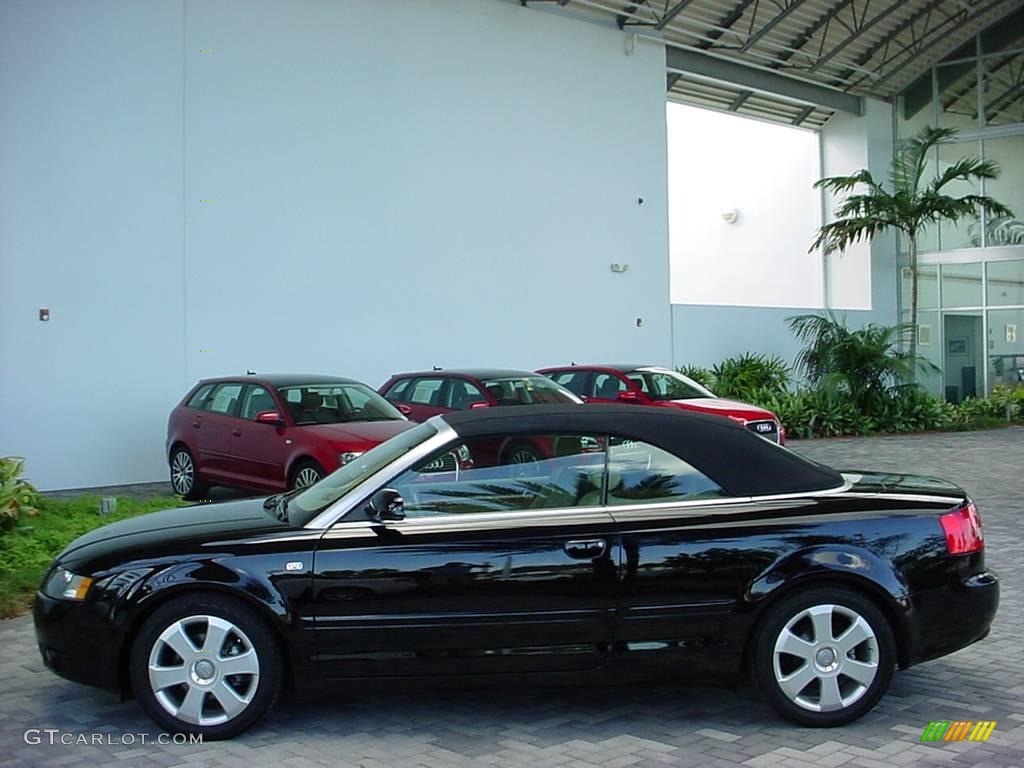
(609, 727)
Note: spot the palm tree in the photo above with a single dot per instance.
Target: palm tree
(912, 204)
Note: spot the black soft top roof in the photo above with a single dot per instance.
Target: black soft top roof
(731, 455)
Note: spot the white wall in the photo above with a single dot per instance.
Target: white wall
(391, 186)
(766, 172)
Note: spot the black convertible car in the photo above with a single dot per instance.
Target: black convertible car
(649, 542)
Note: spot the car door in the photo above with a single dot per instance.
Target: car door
(213, 428)
(424, 397)
(257, 451)
(496, 568)
(687, 556)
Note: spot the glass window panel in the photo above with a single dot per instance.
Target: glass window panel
(1008, 33)
(927, 287)
(958, 95)
(928, 238)
(639, 473)
(915, 106)
(964, 233)
(491, 474)
(929, 347)
(1008, 189)
(1005, 282)
(961, 285)
(1002, 91)
(1006, 346)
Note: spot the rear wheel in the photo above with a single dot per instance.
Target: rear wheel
(824, 657)
(306, 473)
(184, 475)
(205, 665)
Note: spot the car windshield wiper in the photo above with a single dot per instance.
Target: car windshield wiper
(279, 503)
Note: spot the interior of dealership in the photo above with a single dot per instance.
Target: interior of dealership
(201, 189)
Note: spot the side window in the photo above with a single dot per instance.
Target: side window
(462, 394)
(607, 386)
(256, 400)
(639, 473)
(489, 475)
(199, 399)
(225, 398)
(398, 391)
(426, 392)
(574, 381)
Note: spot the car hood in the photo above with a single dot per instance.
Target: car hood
(721, 407)
(163, 532)
(359, 431)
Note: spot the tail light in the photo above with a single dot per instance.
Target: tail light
(962, 527)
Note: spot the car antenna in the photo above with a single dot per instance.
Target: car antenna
(437, 367)
(249, 373)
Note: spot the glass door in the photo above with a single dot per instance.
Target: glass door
(963, 354)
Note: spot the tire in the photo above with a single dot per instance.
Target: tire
(305, 473)
(194, 704)
(521, 453)
(810, 670)
(185, 479)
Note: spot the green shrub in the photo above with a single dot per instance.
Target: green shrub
(702, 376)
(17, 496)
(743, 376)
(909, 408)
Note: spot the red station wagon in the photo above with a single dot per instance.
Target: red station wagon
(274, 432)
(651, 385)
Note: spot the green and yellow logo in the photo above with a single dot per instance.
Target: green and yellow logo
(958, 730)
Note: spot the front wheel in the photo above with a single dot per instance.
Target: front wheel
(824, 657)
(205, 665)
(305, 474)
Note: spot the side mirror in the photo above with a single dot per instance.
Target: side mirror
(478, 404)
(386, 505)
(628, 396)
(270, 417)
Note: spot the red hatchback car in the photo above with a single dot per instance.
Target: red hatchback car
(275, 432)
(651, 385)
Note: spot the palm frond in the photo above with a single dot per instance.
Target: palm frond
(965, 169)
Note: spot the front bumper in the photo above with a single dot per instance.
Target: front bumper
(77, 642)
(949, 618)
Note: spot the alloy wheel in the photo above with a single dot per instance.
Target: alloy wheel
(203, 670)
(825, 658)
(183, 473)
(306, 477)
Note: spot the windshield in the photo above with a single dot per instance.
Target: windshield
(336, 404)
(527, 390)
(318, 497)
(667, 385)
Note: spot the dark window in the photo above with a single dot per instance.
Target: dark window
(397, 391)
(574, 381)
(427, 392)
(225, 399)
(198, 400)
(667, 385)
(462, 394)
(527, 390)
(256, 400)
(482, 475)
(639, 473)
(336, 404)
(607, 386)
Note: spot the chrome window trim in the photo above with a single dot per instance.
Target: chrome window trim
(477, 521)
(342, 506)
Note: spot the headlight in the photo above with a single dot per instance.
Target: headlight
(347, 456)
(65, 585)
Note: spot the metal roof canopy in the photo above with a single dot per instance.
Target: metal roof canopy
(797, 61)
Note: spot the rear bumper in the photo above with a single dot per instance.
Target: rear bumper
(76, 642)
(947, 619)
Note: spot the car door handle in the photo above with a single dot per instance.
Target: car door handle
(586, 549)
(405, 410)
(236, 433)
(197, 424)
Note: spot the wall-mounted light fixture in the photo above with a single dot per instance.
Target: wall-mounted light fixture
(729, 215)
(619, 268)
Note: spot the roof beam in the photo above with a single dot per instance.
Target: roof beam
(725, 23)
(756, 79)
(740, 100)
(670, 14)
(881, 16)
(805, 36)
(804, 114)
(791, 6)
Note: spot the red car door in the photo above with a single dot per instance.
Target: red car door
(213, 432)
(257, 451)
(424, 398)
(605, 388)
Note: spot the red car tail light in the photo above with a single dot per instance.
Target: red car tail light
(962, 527)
